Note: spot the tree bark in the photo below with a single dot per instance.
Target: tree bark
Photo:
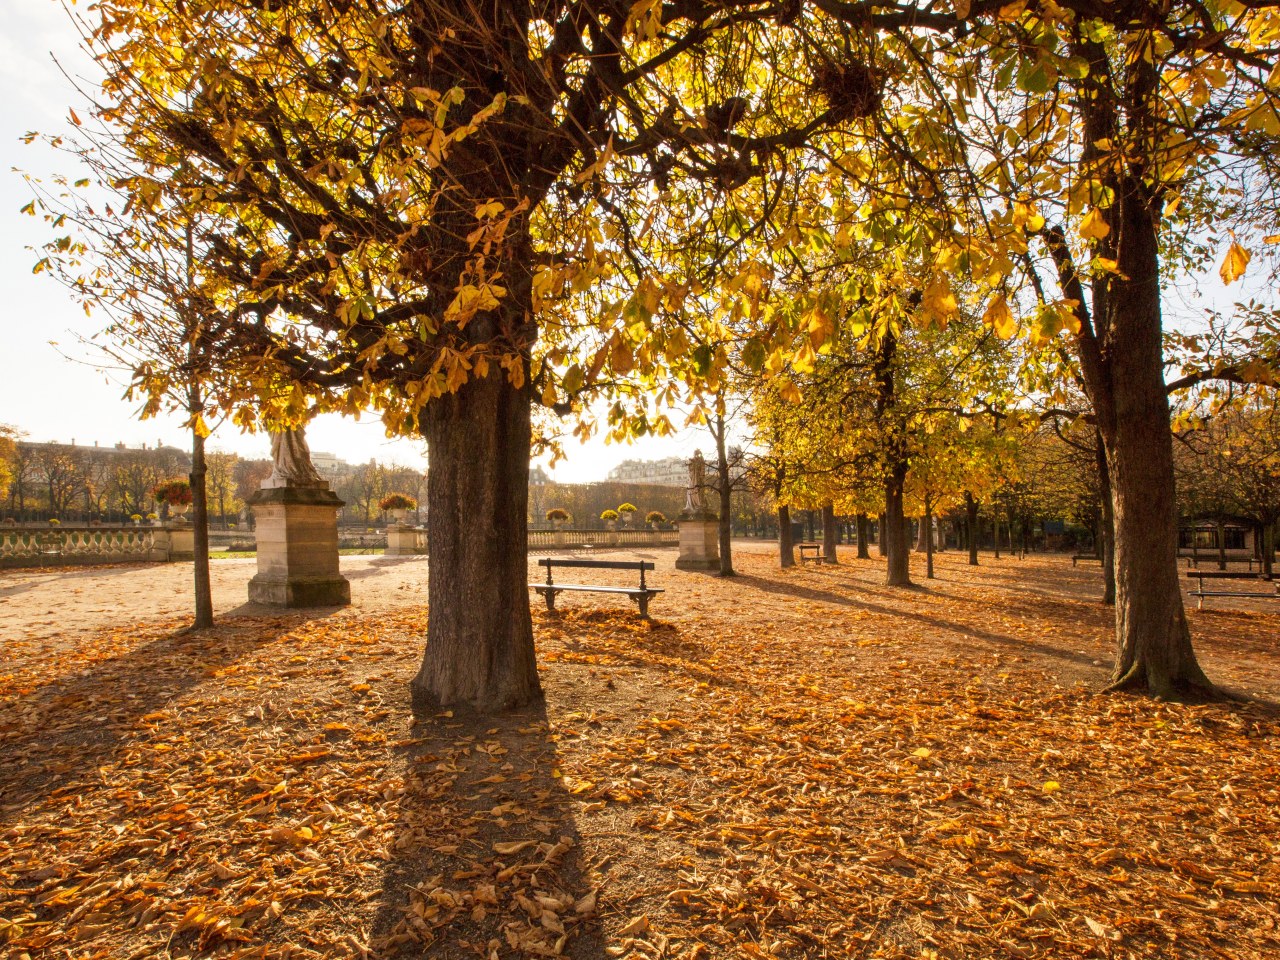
(881, 547)
(724, 487)
(971, 526)
(829, 533)
(864, 530)
(480, 633)
(928, 548)
(895, 533)
(1106, 531)
(200, 524)
(1221, 530)
(786, 553)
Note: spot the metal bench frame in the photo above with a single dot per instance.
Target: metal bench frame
(1200, 576)
(640, 595)
(811, 552)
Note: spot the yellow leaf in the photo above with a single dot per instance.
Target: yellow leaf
(1234, 263)
(1000, 318)
(1093, 226)
(1051, 785)
(924, 753)
(939, 302)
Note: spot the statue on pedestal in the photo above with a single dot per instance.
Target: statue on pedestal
(695, 501)
(291, 459)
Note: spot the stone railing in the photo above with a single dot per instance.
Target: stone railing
(403, 541)
(570, 539)
(73, 545)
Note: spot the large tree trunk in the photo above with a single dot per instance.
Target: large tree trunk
(864, 531)
(200, 524)
(895, 534)
(829, 533)
(480, 633)
(882, 547)
(786, 552)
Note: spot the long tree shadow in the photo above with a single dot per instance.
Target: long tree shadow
(965, 631)
(487, 857)
(55, 734)
(654, 645)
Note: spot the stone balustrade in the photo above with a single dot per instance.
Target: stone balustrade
(556, 539)
(29, 545)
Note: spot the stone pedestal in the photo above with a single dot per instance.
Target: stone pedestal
(403, 541)
(699, 541)
(297, 533)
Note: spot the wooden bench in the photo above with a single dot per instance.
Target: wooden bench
(641, 594)
(1085, 556)
(1200, 576)
(810, 551)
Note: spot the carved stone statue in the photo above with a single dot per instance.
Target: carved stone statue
(696, 498)
(292, 466)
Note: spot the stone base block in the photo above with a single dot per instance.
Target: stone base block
(297, 536)
(699, 543)
(300, 591)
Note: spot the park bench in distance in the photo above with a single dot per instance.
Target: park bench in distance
(1200, 576)
(810, 551)
(1085, 556)
(641, 594)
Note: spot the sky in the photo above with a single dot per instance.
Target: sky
(49, 386)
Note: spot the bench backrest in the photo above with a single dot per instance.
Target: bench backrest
(641, 565)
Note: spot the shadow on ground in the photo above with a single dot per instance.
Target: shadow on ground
(54, 735)
(486, 856)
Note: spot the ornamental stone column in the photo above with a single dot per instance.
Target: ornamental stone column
(296, 528)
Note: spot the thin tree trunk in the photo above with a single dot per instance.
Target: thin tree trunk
(864, 530)
(480, 633)
(1222, 545)
(786, 553)
(1106, 528)
(881, 547)
(724, 487)
(928, 549)
(922, 544)
(971, 526)
(829, 531)
(995, 532)
(200, 525)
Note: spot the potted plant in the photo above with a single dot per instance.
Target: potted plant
(153, 517)
(627, 510)
(396, 505)
(136, 518)
(54, 522)
(557, 516)
(610, 518)
(176, 492)
(655, 517)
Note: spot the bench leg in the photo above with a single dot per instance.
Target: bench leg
(642, 601)
(550, 597)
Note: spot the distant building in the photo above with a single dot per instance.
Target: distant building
(538, 476)
(669, 472)
(330, 466)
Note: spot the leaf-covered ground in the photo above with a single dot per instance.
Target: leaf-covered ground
(787, 764)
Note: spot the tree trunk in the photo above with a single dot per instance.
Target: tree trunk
(995, 531)
(1221, 530)
(922, 541)
(881, 547)
(895, 533)
(786, 553)
(200, 525)
(480, 633)
(1106, 531)
(829, 533)
(971, 526)
(724, 487)
(928, 548)
(864, 530)
(1268, 534)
